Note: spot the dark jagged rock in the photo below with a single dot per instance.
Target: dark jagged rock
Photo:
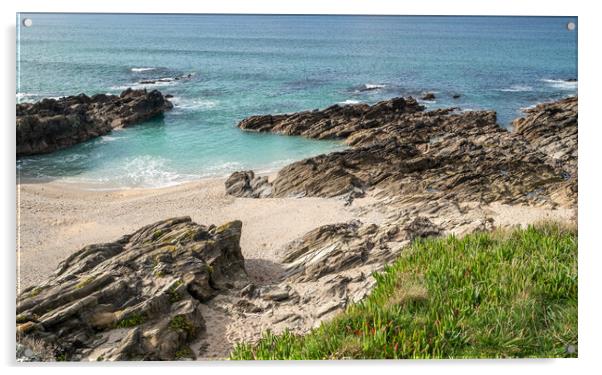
(463, 156)
(54, 124)
(245, 184)
(335, 122)
(138, 297)
(552, 129)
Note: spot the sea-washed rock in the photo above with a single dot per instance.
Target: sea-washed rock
(166, 79)
(428, 96)
(138, 297)
(54, 124)
(407, 152)
(335, 122)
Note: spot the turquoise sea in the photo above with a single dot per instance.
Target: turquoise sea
(253, 64)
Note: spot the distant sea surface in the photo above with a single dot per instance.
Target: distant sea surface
(245, 65)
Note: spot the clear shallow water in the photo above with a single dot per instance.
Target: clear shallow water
(244, 65)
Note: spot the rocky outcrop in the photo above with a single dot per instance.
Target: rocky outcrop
(335, 122)
(551, 128)
(336, 248)
(139, 297)
(245, 184)
(413, 154)
(54, 124)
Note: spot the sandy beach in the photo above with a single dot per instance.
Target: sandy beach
(57, 218)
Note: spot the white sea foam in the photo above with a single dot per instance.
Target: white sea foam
(137, 70)
(138, 85)
(25, 97)
(561, 84)
(108, 138)
(374, 86)
(349, 101)
(148, 171)
(190, 104)
(158, 82)
(528, 107)
(518, 88)
(144, 171)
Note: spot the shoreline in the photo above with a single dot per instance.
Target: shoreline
(94, 186)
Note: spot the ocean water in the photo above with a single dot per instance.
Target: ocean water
(252, 64)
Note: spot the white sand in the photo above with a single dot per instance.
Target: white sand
(56, 219)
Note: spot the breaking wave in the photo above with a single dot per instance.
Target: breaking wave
(193, 104)
(138, 70)
(518, 88)
(561, 84)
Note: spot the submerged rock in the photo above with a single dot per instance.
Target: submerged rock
(54, 124)
(428, 96)
(138, 297)
(166, 79)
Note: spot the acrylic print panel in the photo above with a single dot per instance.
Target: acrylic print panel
(296, 187)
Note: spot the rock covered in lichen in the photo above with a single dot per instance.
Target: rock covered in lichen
(138, 297)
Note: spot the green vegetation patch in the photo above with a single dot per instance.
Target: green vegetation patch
(132, 320)
(184, 352)
(36, 291)
(180, 322)
(85, 282)
(156, 234)
(174, 295)
(486, 295)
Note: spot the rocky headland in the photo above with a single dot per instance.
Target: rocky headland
(407, 173)
(54, 124)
